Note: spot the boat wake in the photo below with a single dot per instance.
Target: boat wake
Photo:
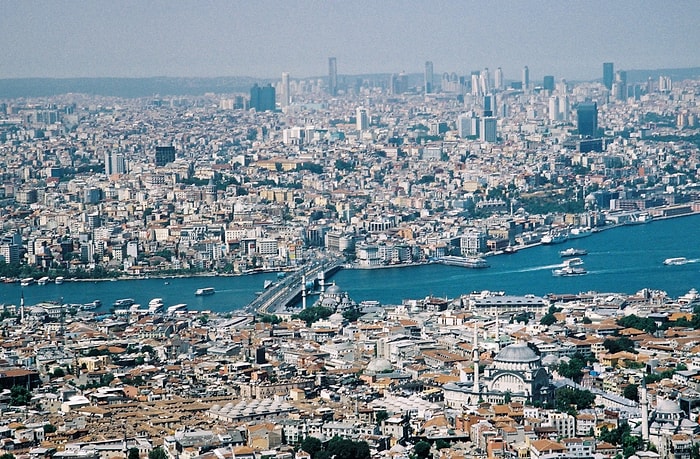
(538, 268)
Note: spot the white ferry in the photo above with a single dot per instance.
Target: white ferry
(568, 271)
(124, 303)
(580, 232)
(59, 280)
(27, 281)
(155, 306)
(675, 261)
(465, 262)
(573, 262)
(555, 237)
(206, 291)
(43, 281)
(176, 309)
(572, 252)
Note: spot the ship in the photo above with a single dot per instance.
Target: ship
(155, 306)
(555, 237)
(510, 250)
(43, 281)
(568, 271)
(27, 281)
(675, 261)
(124, 303)
(572, 252)
(465, 262)
(579, 232)
(572, 262)
(176, 309)
(59, 280)
(206, 291)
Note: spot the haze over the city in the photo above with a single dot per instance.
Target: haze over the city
(264, 38)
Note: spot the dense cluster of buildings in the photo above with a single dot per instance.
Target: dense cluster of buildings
(383, 171)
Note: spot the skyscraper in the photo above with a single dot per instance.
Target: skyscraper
(114, 163)
(488, 129)
(262, 99)
(498, 79)
(285, 97)
(587, 114)
(428, 77)
(526, 78)
(332, 76)
(620, 85)
(164, 155)
(548, 83)
(361, 119)
(608, 74)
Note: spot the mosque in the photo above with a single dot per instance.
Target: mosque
(516, 372)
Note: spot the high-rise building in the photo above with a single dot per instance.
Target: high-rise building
(548, 83)
(620, 85)
(262, 98)
(476, 85)
(526, 78)
(498, 79)
(587, 114)
(489, 105)
(332, 76)
(361, 119)
(285, 96)
(608, 74)
(115, 163)
(428, 77)
(488, 129)
(485, 81)
(554, 108)
(164, 155)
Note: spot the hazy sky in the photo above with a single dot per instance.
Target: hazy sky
(262, 38)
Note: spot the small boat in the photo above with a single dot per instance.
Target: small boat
(465, 262)
(555, 237)
(572, 252)
(510, 250)
(568, 271)
(206, 291)
(27, 281)
(176, 309)
(59, 280)
(675, 261)
(580, 232)
(90, 306)
(43, 281)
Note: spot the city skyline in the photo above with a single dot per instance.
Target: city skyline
(192, 39)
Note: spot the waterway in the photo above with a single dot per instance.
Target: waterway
(625, 260)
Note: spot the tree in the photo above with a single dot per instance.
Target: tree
(133, 454)
(548, 319)
(441, 444)
(422, 450)
(7, 456)
(19, 396)
(49, 428)
(569, 400)
(311, 315)
(631, 392)
(618, 345)
(157, 453)
(59, 372)
(381, 416)
(311, 445)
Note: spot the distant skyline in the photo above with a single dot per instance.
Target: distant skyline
(186, 38)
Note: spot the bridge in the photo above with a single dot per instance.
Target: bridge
(287, 290)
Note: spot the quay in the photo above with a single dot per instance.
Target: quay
(288, 290)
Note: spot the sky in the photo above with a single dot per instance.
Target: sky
(263, 38)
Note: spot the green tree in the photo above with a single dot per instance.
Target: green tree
(59, 372)
(7, 456)
(133, 454)
(381, 416)
(49, 428)
(20, 396)
(157, 453)
(570, 400)
(311, 445)
(312, 314)
(631, 392)
(422, 450)
(441, 444)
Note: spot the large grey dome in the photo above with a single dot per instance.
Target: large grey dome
(517, 353)
(666, 406)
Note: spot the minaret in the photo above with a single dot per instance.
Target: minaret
(303, 291)
(322, 280)
(476, 390)
(498, 334)
(644, 401)
(21, 308)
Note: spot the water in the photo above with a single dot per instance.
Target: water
(622, 260)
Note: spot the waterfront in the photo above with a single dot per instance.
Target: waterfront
(623, 260)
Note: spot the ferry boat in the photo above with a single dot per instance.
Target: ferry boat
(124, 303)
(675, 261)
(580, 232)
(510, 250)
(176, 309)
(568, 271)
(59, 280)
(27, 281)
(206, 291)
(555, 237)
(155, 306)
(573, 262)
(90, 306)
(572, 252)
(465, 262)
(43, 281)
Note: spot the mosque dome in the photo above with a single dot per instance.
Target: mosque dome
(517, 353)
(665, 406)
(379, 366)
(333, 290)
